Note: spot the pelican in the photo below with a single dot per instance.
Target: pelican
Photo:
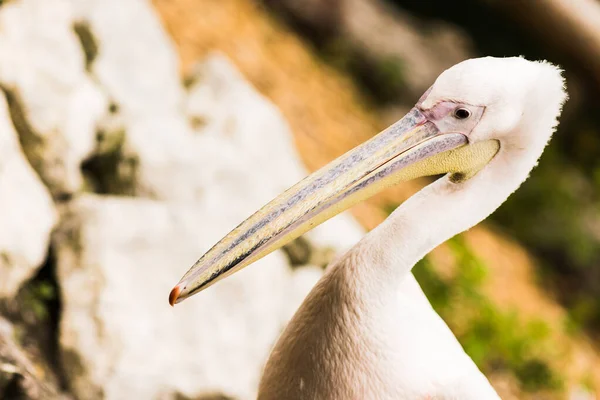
(366, 331)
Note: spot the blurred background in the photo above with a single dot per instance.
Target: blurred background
(136, 133)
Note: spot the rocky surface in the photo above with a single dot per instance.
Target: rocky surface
(131, 56)
(54, 104)
(22, 377)
(118, 259)
(26, 211)
(99, 106)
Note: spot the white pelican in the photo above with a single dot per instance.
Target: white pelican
(366, 331)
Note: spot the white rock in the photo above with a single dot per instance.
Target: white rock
(235, 113)
(215, 154)
(137, 63)
(138, 66)
(118, 259)
(243, 146)
(26, 211)
(42, 64)
(241, 133)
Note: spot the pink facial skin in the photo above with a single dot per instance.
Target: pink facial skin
(451, 117)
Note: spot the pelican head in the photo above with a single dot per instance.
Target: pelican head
(483, 123)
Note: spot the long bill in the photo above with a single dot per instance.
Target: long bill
(410, 148)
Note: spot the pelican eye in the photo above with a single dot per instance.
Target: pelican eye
(462, 113)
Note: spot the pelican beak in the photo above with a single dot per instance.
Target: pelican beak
(410, 148)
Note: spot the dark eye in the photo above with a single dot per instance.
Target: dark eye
(462, 113)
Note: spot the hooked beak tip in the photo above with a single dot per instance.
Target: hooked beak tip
(174, 295)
